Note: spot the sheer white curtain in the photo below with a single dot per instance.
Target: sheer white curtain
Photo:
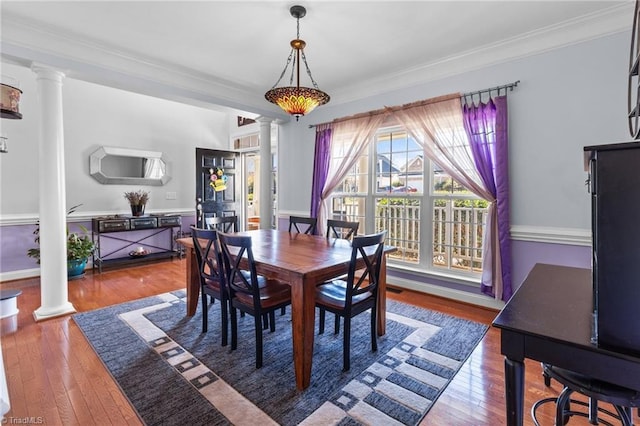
(357, 133)
(438, 127)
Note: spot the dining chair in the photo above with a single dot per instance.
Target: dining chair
(222, 223)
(310, 222)
(358, 293)
(255, 295)
(212, 280)
(342, 229)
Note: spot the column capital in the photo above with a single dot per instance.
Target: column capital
(262, 119)
(47, 72)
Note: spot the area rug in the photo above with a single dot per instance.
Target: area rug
(174, 374)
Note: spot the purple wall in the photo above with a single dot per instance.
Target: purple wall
(525, 254)
(15, 240)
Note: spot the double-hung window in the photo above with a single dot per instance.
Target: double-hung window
(435, 223)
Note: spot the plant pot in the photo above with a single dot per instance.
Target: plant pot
(137, 210)
(75, 268)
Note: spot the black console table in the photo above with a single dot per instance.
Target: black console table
(549, 319)
(119, 230)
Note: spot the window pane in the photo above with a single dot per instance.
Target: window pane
(457, 233)
(400, 217)
(399, 163)
(444, 184)
(349, 208)
(356, 180)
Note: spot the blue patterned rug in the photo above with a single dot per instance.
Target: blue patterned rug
(173, 374)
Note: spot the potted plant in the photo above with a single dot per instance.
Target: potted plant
(79, 248)
(137, 201)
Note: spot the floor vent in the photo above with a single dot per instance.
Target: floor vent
(394, 290)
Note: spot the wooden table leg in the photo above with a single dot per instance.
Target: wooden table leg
(303, 328)
(192, 282)
(382, 297)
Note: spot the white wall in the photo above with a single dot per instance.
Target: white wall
(567, 98)
(96, 115)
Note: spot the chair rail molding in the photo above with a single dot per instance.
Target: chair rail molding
(32, 218)
(551, 235)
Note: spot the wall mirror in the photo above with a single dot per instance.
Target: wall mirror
(123, 166)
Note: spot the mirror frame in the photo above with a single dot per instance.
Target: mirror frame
(95, 166)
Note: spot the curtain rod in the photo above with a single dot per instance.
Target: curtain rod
(509, 86)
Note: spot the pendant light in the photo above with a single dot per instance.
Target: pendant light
(297, 100)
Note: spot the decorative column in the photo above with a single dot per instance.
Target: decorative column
(266, 176)
(54, 294)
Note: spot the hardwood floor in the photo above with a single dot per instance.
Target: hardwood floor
(54, 376)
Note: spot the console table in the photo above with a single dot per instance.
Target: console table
(116, 239)
(549, 319)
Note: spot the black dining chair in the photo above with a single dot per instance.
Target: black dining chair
(212, 282)
(248, 292)
(357, 294)
(222, 223)
(342, 229)
(307, 224)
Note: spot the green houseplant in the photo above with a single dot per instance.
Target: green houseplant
(137, 200)
(79, 247)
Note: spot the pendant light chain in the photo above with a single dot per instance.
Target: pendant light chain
(304, 59)
(285, 68)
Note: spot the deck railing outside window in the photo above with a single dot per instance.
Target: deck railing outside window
(457, 233)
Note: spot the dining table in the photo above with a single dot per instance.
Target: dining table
(303, 261)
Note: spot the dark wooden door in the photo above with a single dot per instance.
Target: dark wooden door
(219, 196)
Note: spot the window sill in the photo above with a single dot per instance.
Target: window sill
(448, 286)
(458, 279)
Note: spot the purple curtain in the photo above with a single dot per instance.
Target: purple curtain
(320, 166)
(486, 127)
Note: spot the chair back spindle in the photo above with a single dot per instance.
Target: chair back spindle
(222, 223)
(342, 229)
(310, 222)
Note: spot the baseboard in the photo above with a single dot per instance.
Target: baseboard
(19, 275)
(29, 273)
(447, 293)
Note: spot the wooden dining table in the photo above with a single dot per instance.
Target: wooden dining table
(302, 261)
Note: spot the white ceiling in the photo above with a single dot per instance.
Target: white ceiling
(230, 52)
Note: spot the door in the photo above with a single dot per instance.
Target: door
(218, 188)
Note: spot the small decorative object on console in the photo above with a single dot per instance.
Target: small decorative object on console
(137, 201)
(139, 252)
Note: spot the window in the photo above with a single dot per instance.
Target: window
(248, 141)
(434, 222)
